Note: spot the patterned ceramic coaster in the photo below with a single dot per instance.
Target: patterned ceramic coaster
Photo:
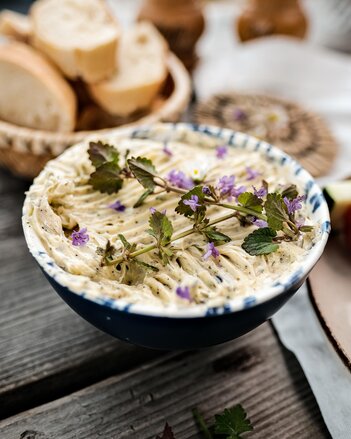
(299, 132)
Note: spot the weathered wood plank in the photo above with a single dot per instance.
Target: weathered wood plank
(46, 350)
(250, 370)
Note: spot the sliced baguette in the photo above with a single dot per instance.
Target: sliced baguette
(15, 25)
(140, 75)
(33, 93)
(79, 36)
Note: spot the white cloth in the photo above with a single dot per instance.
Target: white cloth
(330, 380)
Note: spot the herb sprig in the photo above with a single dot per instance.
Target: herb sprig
(273, 212)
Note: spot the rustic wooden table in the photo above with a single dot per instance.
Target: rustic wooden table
(61, 378)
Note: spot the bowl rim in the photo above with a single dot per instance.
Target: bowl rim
(233, 139)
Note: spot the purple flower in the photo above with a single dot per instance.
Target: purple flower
(117, 206)
(80, 237)
(167, 151)
(260, 223)
(260, 193)
(227, 188)
(206, 190)
(179, 179)
(192, 203)
(153, 210)
(239, 115)
(295, 204)
(211, 251)
(300, 223)
(251, 173)
(221, 151)
(183, 292)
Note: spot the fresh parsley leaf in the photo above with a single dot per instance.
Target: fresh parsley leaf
(100, 153)
(186, 210)
(213, 235)
(143, 197)
(233, 422)
(276, 211)
(144, 171)
(106, 178)
(290, 191)
(167, 433)
(260, 242)
(251, 201)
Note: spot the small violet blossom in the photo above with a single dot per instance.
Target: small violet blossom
(183, 292)
(80, 237)
(260, 223)
(192, 203)
(117, 206)
(221, 151)
(251, 173)
(226, 186)
(179, 179)
(295, 204)
(300, 222)
(166, 150)
(211, 251)
(260, 193)
(239, 115)
(206, 190)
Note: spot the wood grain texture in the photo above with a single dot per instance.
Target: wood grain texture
(46, 350)
(251, 370)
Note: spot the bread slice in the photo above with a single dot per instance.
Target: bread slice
(79, 36)
(141, 73)
(15, 25)
(33, 93)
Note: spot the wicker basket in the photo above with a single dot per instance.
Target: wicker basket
(24, 151)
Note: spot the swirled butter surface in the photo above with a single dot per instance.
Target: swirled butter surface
(61, 199)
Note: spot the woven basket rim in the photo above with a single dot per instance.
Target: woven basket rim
(176, 102)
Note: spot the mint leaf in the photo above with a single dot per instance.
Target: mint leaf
(276, 211)
(144, 171)
(143, 197)
(233, 422)
(167, 433)
(100, 153)
(260, 242)
(289, 191)
(107, 178)
(213, 235)
(251, 201)
(185, 210)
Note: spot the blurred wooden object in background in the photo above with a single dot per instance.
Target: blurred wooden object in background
(269, 17)
(181, 22)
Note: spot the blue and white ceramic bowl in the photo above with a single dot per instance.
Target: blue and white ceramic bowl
(192, 327)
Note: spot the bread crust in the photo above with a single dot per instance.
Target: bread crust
(33, 63)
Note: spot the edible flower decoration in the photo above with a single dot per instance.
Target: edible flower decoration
(166, 150)
(251, 173)
(221, 151)
(117, 206)
(80, 237)
(183, 292)
(272, 212)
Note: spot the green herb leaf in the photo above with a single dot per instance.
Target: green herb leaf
(233, 422)
(260, 242)
(185, 210)
(107, 254)
(145, 265)
(290, 191)
(213, 235)
(202, 424)
(143, 197)
(276, 211)
(160, 228)
(132, 272)
(127, 245)
(106, 178)
(100, 153)
(144, 171)
(251, 201)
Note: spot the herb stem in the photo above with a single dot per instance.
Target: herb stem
(174, 238)
(201, 423)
